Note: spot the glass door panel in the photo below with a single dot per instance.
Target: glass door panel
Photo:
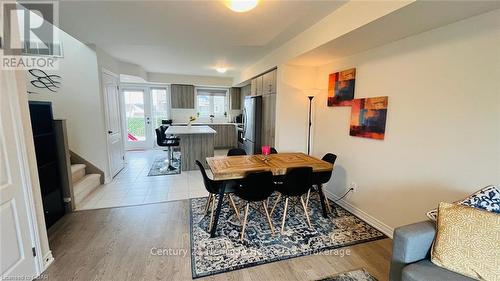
(159, 106)
(136, 119)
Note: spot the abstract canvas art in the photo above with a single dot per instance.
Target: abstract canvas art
(341, 87)
(368, 116)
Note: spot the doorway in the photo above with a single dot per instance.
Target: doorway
(116, 153)
(144, 109)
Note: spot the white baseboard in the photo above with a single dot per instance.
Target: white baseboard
(382, 227)
(48, 259)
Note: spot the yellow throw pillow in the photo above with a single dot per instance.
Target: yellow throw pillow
(468, 241)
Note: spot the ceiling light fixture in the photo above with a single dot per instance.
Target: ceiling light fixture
(221, 69)
(241, 6)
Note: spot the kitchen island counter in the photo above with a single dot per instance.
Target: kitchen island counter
(196, 143)
(189, 130)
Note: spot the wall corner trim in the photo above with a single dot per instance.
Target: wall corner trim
(382, 227)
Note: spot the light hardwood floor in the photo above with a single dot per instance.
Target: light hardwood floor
(115, 244)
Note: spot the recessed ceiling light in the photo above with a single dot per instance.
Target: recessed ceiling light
(241, 6)
(221, 69)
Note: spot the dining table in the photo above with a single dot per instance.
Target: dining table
(230, 168)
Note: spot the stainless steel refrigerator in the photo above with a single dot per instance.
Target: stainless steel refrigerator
(252, 120)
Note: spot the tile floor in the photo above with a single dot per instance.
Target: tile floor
(132, 186)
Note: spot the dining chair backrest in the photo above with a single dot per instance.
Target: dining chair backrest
(329, 157)
(256, 186)
(324, 177)
(210, 185)
(236, 152)
(297, 181)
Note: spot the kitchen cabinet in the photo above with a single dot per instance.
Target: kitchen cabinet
(268, 119)
(235, 94)
(246, 91)
(253, 87)
(260, 85)
(264, 84)
(182, 96)
(269, 82)
(256, 86)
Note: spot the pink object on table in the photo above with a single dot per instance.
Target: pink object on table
(266, 149)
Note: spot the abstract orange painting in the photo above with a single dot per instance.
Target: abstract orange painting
(368, 117)
(341, 87)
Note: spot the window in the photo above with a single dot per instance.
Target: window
(211, 102)
(159, 105)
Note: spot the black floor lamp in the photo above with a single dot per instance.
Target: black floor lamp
(309, 127)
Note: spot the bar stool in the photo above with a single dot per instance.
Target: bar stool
(169, 143)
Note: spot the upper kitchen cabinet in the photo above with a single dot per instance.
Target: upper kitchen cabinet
(264, 84)
(253, 87)
(235, 94)
(269, 82)
(182, 96)
(246, 91)
(256, 86)
(260, 85)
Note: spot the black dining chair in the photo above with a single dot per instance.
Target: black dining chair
(321, 178)
(236, 152)
(213, 188)
(296, 183)
(169, 143)
(256, 187)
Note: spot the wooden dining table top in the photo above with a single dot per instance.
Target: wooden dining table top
(237, 167)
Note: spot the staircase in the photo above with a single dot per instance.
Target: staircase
(83, 183)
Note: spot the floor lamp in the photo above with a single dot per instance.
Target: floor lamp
(309, 127)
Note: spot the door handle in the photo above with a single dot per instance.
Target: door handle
(110, 132)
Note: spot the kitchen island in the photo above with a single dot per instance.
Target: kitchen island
(227, 133)
(196, 143)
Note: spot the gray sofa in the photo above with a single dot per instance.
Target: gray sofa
(411, 255)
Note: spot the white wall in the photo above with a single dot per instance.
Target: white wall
(78, 101)
(292, 106)
(442, 136)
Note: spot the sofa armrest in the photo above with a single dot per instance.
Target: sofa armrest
(411, 243)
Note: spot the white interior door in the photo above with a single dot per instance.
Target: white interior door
(16, 236)
(137, 118)
(113, 124)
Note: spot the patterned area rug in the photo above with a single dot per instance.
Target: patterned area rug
(160, 167)
(355, 275)
(226, 252)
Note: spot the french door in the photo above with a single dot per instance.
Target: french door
(144, 108)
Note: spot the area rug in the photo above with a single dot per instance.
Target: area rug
(160, 167)
(226, 252)
(355, 275)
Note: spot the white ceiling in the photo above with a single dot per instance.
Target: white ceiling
(189, 37)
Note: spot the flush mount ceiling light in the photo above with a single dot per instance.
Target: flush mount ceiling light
(241, 6)
(221, 69)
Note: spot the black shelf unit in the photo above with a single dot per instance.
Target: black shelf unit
(47, 161)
